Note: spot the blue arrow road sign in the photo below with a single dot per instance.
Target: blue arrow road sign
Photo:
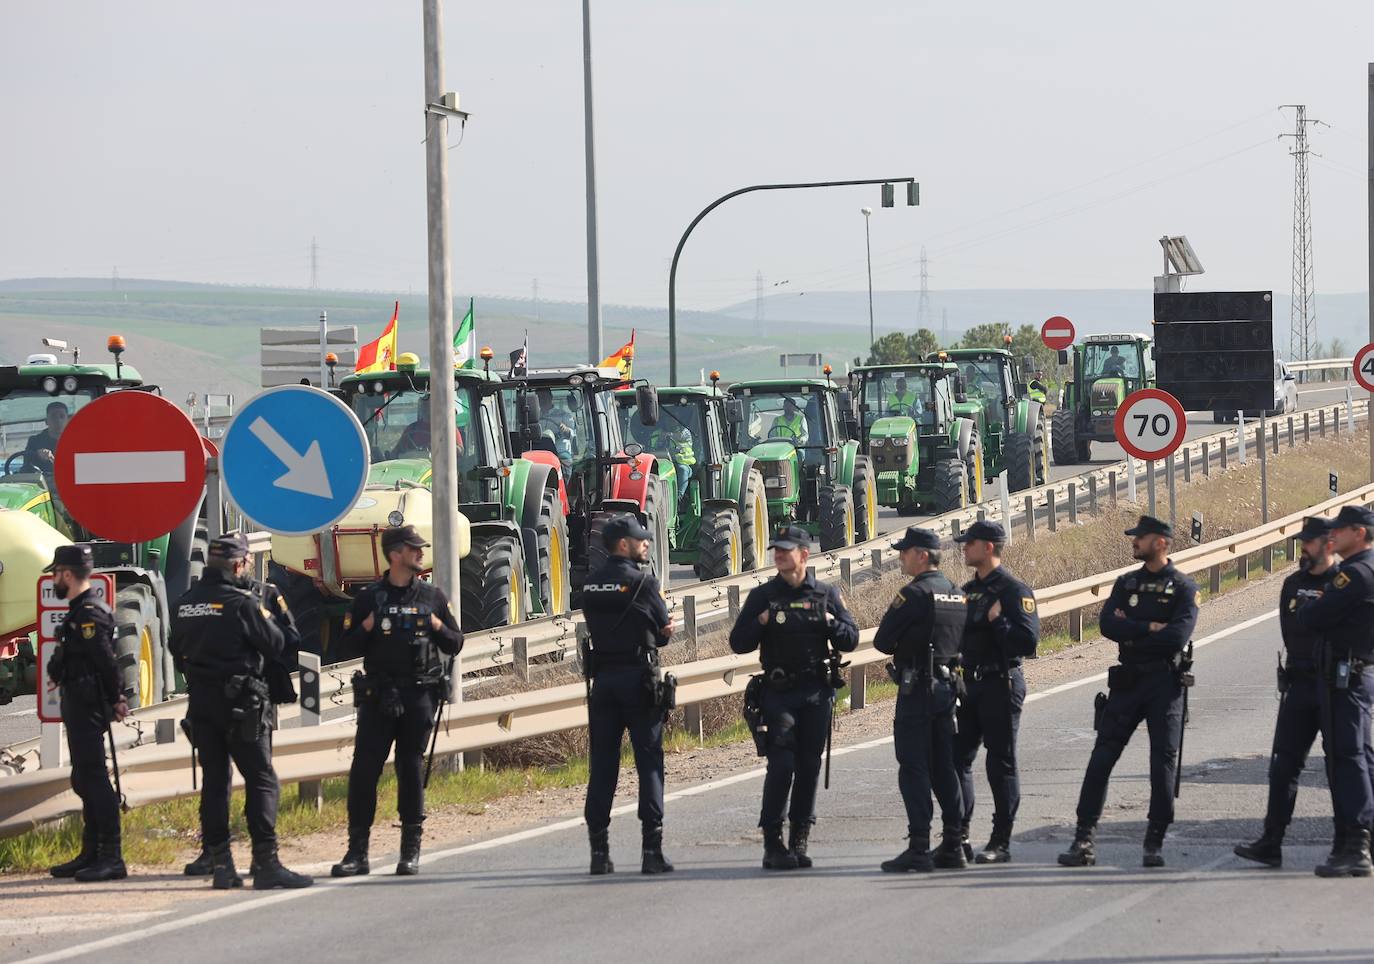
(294, 460)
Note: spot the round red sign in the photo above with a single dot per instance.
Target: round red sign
(1364, 367)
(1150, 424)
(1057, 333)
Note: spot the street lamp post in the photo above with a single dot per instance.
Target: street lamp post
(868, 252)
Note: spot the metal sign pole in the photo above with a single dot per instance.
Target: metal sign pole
(1005, 497)
(1130, 479)
(1150, 486)
(1264, 470)
(1240, 435)
(1173, 493)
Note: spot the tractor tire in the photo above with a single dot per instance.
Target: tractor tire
(973, 468)
(306, 605)
(1040, 458)
(138, 641)
(837, 517)
(1063, 438)
(950, 484)
(719, 550)
(596, 551)
(753, 523)
(551, 533)
(865, 500)
(491, 583)
(1018, 457)
(656, 512)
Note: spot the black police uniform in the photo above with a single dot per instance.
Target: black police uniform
(921, 630)
(626, 616)
(84, 666)
(804, 623)
(995, 690)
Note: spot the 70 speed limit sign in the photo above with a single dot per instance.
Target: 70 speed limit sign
(1150, 424)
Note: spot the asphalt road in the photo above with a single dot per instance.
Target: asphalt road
(526, 896)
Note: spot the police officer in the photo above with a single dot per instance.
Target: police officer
(402, 624)
(1299, 719)
(1344, 617)
(1001, 628)
(222, 639)
(794, 621)
(84, 667)
(921, 631)
(627, 620)
(1150, 615)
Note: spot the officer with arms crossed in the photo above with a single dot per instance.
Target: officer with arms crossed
(921, 631)
(1300, 718)
(1344, 618)
(402, 624)
(1001, 628)
(222, 640)
(83, 665)
(1150, 615)
(627, 620)
(794, 621)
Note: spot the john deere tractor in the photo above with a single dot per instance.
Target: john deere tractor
(1106, 368)
(513, 538)
(926, 458)
(802, 436)
(36, 401)
(722, 526)
(1011, 423)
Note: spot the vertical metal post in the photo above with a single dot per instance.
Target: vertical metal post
(1292, 438)
(1187, 466)
(1214, 579)
(214, 499)
(858, 687)
(1092, 494)
(1264, 471)
(1306, 427)
(847, 574)
(1111, 487)
(594, 352)
(1225, 453)
(1130, 479)
(520, 658)
(1336, 420)
(1150, 486)
(876, 561)
(1051, 512)
(50, 745)
(1206, 460)
(1349, 411)
(1173, 492)
(1321, 422)
(1274, 437)
(324, 350)
(1076, 625)
(691, 714)
(1005, 497)
(311, 791)
(732, 598)
(1241, 453)
(1073, 503)
(1030, 518)
(868, 251)
(956, 528)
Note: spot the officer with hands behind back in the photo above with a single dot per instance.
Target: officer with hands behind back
(222, 640)
(794, 621)
(921, 631)
(627, 621)
(401, 624)
(1150, 615)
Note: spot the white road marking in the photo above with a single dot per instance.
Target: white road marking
(58, 923)
(125, 468)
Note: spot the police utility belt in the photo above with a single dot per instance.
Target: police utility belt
(992, 670)
(384, 692)
(662, 686)
(1126, 675)
(907, 675)
(250, 705)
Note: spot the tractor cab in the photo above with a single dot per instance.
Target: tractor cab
(1106, 369)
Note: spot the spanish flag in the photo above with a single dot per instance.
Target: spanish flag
(380, 355)
(624, 359)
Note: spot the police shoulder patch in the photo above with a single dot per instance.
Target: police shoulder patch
(898, 599)
(281, 603)
(88, 630)
(266, 613)
(348, 621)
(1341, 581)
(1028, 604)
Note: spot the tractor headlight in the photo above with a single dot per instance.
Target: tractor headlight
(876, 443)
(575, 380)
(396, 519)
(50, 385)
(70, 384)
(900, 442)
(774, 482)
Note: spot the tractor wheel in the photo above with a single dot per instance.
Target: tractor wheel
(555, 585)
(596, 549)
(718, 552)
(138, 640)
(753, 523)
(1018, 456)
(304, 601)
(837, 517)
(950, 482)
(656, 512)
(974, 468)
(865, 500)
(491, 583)
(1063, 438)
(1040, 457)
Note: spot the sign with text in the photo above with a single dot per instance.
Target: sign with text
(51, 612)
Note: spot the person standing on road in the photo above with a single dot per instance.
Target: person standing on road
(921, 630)
(1001, 628)
(1344, 617)
(402, 625)
(222, 639)
(1300, 717)
(1150, 614)
(627, 621)
(794, 621)
(84, 667)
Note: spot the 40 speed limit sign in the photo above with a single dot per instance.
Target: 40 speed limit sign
(1364, 367)
(1150, 424)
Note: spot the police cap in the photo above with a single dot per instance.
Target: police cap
(791, 537)
(231, 545)
(71, 557)
(1150, 526)
(397, 536)
(1354, 515)
(1314, 527)
(983, 531)
(916, 538)
(623, 527)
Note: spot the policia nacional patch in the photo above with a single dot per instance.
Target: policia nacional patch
(1341, 581)
(1028, 604)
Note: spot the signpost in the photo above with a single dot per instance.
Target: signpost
(291, 354)
(1150, 425)
(1057, 333)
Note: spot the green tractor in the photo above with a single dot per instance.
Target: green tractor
(1011, 422)
(926, 457)
(801, 434)
(513, 537)
(722, 527)
(1106, 369)
(36, 401)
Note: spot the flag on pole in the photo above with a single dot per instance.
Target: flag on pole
(624, 359)
(380, 355)
(520, 358)
(465, 342)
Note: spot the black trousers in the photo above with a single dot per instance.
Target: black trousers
(377, 732)
(923, 735)
(990, 715)
(85, 723)
(798, 720)
(1156, 698)
(220, 742)
(1299, 721)
(1349, 748)
(621, 701)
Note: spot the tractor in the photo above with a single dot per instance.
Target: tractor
(36, 400)
(513, 538)
(565, 418)
(1106, 369)
(1011, 423)
(801, 434)
(925, 456)
(722, 527)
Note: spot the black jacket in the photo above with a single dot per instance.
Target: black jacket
(88, 653)
(402, 644)
(1014, 634)
(927, 613)
(220, 630)
(1167, 597)
(799, 627)
(1344, 615)
(625, 612)
(1299, 589)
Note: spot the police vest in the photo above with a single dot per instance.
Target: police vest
(1299, 589)
(1153, 598)
(796, 639)
(617, 619)
(1355, 633)
(405, 622)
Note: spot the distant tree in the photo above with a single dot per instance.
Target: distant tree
(1026, 343)
(923, 342)
(986, 336)
(1336, 349)
(891, 349)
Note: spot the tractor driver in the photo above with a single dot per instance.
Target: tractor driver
(558, 425)
(791, 424)
(1115, 364)
(902, 401)
(38, 453)
(415, 438)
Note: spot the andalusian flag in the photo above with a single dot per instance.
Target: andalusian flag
(624, 359)
(380, 355)
(465, 342)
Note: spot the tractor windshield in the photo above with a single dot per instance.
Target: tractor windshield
(790, 416)
(1102, 360)
(898, 393)
(397, 425)
(31, 421)
(983, 378)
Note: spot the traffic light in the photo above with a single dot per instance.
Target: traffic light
(887, 195)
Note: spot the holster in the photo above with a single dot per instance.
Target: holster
(1099, 710)
(753, 714)
(1283, 680)
(250, 705)
(665, 692)
(1121, 677)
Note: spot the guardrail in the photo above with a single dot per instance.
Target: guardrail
(1342, 366)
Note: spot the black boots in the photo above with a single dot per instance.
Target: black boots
(226, 876)
(409, 864)
(915, 858)
(202, 866)
(997, 849)
(1152, 855)
(109, 860)
(601, 852)
(81, 860)
(271, 874)
(1267, 850)
(776, 856)
(798, 835)
(1352, 860)
(354, 863)
(1081, 852)
(653, 861)
(953, 852)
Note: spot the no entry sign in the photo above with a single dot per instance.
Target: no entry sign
(130, 466)
(1057, 333)
(1150, 424)
(1364, 367)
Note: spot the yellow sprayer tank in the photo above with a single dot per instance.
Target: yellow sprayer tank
(26, 546)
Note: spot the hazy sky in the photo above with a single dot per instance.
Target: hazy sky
(1054, 141)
